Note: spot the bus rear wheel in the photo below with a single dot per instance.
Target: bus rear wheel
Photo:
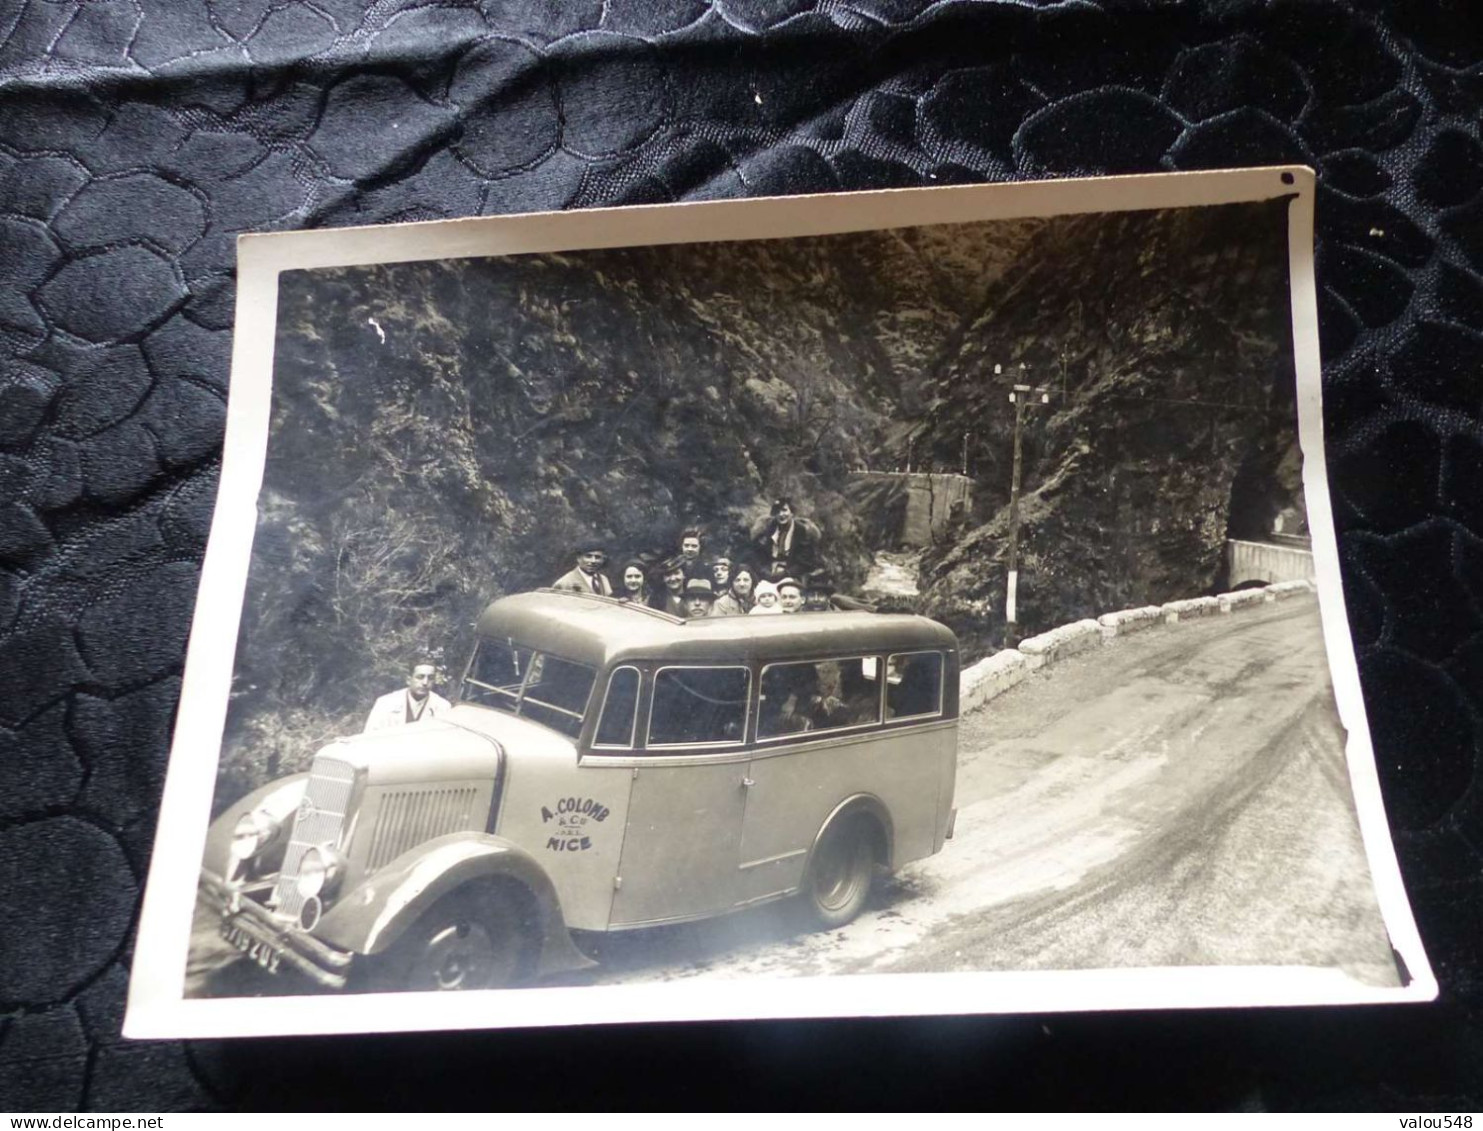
(840, 872)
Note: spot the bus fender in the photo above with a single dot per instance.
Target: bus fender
(872, 805)
(372, 916)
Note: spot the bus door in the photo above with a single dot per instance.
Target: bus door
(817, 726)
(681, 844)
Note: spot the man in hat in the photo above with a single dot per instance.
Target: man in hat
(587, 577)
(818, 592)
(414, 703)
(699, 597)
(790, 595)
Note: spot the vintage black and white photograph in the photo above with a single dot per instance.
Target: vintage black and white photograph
(685, 628)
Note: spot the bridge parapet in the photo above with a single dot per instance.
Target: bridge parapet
(1285, 589)
(913, 507)
(1267, 562)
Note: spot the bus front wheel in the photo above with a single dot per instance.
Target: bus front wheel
(476, 938)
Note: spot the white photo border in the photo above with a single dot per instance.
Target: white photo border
(157, 1006)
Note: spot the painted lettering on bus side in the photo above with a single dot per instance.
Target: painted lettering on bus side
(587, 807)
(572, 815)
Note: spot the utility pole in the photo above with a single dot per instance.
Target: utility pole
(1021, 396)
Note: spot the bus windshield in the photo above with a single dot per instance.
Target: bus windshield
(534, 685)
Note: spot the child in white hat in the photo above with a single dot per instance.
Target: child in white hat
(766, 595)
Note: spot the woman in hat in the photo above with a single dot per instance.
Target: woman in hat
(670, 597)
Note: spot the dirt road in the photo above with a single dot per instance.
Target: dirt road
(1178, 797)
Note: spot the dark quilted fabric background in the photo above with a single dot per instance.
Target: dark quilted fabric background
(139, 137)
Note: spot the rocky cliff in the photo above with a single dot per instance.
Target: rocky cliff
(1163, 342)
(444, 433)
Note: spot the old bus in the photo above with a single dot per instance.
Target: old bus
(606, 767)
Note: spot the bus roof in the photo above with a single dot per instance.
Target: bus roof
(601, 631)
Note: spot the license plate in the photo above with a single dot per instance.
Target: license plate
(264, 954)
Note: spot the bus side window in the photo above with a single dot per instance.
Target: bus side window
(816, 695)
(620, 706)
(699, 706)
(913, 685)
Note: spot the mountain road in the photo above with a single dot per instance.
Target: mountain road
(1175, 797)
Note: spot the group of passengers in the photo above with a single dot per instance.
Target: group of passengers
(690, 585)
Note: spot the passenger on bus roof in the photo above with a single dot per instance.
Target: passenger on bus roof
(690, 561)
(721, 573)
(587, 576)
(670, 598)
(818, 590)
(634, 582)
(767, 600)
(788, 538)
(790, 595)
(739, 597)
(699, 597)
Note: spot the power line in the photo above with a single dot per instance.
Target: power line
(1174, 400)
(1080, 396)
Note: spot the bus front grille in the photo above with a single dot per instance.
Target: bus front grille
(320, 819)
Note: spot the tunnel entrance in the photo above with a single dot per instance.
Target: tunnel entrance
(1267, 497)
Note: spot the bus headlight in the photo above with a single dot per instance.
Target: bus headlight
(254, 832)
(319, 871)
